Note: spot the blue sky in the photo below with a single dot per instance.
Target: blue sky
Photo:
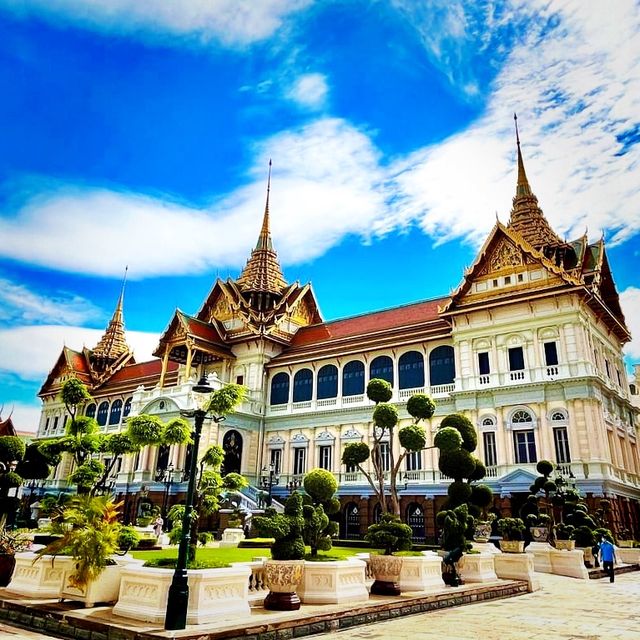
(138, 133)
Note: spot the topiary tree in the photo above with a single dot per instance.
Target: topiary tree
(457, 527)
(286, 528)
(12, 451)
(320, 502)
(389, 534)
(412, 438)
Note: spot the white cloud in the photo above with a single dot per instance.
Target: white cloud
(25, 417)
(18, 303)
(230, 22)
(309, 90)
(630, 302)
(29, 352)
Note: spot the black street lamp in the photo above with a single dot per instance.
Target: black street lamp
(178, 597)
(269, 480)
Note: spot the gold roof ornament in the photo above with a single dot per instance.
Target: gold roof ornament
(262, 273)
(526, 215)
(113, 343)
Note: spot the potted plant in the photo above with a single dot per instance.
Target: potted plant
(564, 536)
(283, 573)
(10, 544)
(538, 526)
(512, 532)
(392, 536)
(456, 525)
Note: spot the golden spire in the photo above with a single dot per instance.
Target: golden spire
(262, 273)
(113, 343)
(526, 215)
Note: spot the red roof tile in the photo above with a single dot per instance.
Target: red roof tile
(141, 370)
(397, 317)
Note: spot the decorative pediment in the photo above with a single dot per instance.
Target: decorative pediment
(275, 441)
(351, 434)
(325, 436)
(299, 440)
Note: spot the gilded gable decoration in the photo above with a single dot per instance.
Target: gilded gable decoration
(504, 256)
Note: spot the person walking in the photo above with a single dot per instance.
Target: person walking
(608, 557)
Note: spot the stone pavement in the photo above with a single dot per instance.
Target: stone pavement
(563, 609)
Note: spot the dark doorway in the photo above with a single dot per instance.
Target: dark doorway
(351, 521)
(415, 519)
(232, 446)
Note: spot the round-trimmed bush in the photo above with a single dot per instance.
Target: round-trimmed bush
(545, 467)
(379, 390)
(420, 406)
(457, 464)
(385, 416)
(538, 483)
(464, 426)
(176, 431)
(459, 492)
(549, 486)
(481, 495)
(355, 453)
(412, 437)
(144, 429)
(447, 439)
(480, 471)
(320, 484)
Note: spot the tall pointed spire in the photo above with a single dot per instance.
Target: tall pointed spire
(262, 273)
(526, 215)
(113, 343)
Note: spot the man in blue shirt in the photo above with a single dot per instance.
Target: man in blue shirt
(608, 557)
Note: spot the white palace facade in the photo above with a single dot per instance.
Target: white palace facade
(529, 347)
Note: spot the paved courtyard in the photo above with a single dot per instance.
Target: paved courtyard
(564, 608)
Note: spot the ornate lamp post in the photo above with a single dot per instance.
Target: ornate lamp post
(268, 480)
(178, 599)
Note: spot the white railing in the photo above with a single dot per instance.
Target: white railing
(443, 389)
(405, 394)
(327, 402)
(353, 399)
(306, 404)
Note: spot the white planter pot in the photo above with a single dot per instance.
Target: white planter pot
(283, 578)
(40, 579)
(478, 567)
(333, 582)
(103, 589)
(541, 552)
(569, 563)
(421, 573)
(386, 571)
(231, 537)
(517, 566)
(628, 556)
(214, 594)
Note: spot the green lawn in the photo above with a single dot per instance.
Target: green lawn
(233, 554)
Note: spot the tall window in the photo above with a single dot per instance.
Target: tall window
(382, 367)
(516, 359)
(324, 456)
(414, 461)
(382, 453)
(525, 446)
(302, 385)
(483, 363)
(280, 388)
(103, 412)
(328, 381)
(353, 378)
(116, 412)
(561, 442)
(442, 369)
(127, 407)
(490, 451)
(276, 460)
(299, 460)
(91, 411)
(55, 423)
(550, 353)
(411, 370)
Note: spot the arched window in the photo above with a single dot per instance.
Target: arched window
(353, 378)
(558, 416)
(521, 416)
(411, 370)
(328, 381)
(116, 412)
(488, 421)
(382, 367)
(280, 388)
(442, 368)
(103, 412)
(91, 411)
(127, 407)
(302, 385)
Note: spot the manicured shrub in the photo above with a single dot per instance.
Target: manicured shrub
(379, 390)
(412, 437)
(464, 426)
(420, 406)
(458, 492)
(545, 468)
(456, 464)
(389, 534)
(385, 416)
(447, 439)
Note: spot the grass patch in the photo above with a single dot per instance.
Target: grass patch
(170, 563)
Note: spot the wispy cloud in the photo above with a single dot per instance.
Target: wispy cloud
(20, 304)
(309, 90)
(29, 352)
(229, 22)
(630, 302)
(25, 417)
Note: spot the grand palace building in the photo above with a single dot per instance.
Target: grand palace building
(528, 347)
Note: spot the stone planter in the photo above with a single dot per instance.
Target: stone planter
(512, 546)
(565, 545)
(40, 579)
(478, 567)
(231, 537)
(421, 573)
(628, 556)
(627, 544)
(214, 594)
(482, 532)
(333, 582)
(283, 577)
(517, 566)
(386, 571)
(589, 560)
(569, 563)
(541, 552)
(103, 589)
